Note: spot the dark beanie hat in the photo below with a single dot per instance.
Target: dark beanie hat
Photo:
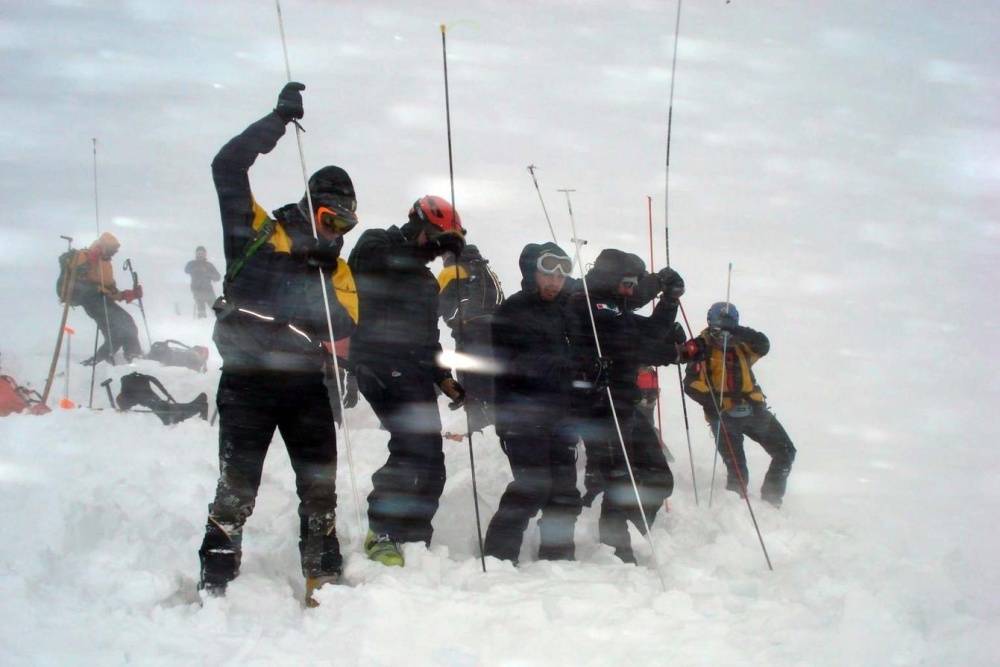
(331, 180)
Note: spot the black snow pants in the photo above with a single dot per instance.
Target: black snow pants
(250, 408)
(406, 490)
(543, 462)
(764, 428)
(607, 472)
(123, 335)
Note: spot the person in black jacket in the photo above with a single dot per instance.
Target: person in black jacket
(627, 342)
(481, 294)
(272, 333)
(394, 356)
(744, 408)
(530, 340)
(203, 273)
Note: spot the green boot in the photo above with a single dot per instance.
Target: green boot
(382, 549)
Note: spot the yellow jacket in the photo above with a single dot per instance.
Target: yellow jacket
(703, 379)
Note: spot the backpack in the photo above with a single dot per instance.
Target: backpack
(65, 261)
(137, 389)
(15, 398)
(195, 358)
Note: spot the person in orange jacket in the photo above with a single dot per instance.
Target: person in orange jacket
(94, 288)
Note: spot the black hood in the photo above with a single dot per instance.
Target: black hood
(529, 260)
(610, 267)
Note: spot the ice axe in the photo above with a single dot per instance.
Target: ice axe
(111, 399)
(66, 295)
(127, 266)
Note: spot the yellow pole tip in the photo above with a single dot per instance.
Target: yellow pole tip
(444, 28)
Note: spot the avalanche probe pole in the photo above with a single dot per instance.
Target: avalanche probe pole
(725, 433)
(722, 394)
(666, 230)
(531, 170)
(346, 430)
(611, 402)
(458, 287)
(104, 297)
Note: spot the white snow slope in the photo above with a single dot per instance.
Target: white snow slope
(842, 154)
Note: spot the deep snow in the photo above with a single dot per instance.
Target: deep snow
(842, 154)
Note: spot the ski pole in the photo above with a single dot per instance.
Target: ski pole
(531, 170)
(346, 430)
(458, 287)
(611, 402)
(127, 266)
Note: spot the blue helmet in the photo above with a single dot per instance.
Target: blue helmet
(723, 315)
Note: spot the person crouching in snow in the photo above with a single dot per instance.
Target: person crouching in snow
(95, 290)
(744, 410)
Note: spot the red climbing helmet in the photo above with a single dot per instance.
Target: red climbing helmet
(438, 212)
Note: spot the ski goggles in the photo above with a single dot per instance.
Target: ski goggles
(629, 282)
(549, 264)
(336, 218)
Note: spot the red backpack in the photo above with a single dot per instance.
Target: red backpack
(15, 398)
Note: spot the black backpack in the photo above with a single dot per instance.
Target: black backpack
(137, 389)
(175, 353)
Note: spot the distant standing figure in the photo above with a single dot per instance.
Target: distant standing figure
(203, 273)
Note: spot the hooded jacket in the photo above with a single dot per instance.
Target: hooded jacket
(531, 344)
(627, 341)
(94, 274)
(273, 316)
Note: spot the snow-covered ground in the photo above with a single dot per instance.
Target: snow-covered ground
(874, 562)
(843, 155)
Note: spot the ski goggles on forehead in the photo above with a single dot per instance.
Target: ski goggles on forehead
(549, 264)
(336, 218)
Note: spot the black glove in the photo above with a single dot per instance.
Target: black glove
(447, 242)
(677, 334)
(322, 253)
(351, 391)
(692, 350)
(671, 283)
(289, 105)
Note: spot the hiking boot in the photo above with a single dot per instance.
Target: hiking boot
(313, 584)
(383, 549)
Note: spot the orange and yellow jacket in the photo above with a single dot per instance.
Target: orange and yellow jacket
(93, 269)
(703, 379)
